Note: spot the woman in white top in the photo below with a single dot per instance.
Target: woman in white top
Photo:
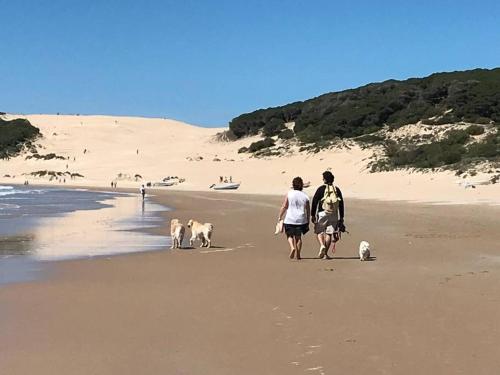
(298, 212)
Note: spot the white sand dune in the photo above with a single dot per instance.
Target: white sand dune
(156, 148)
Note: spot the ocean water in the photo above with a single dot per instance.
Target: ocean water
(22, 207)
(41, 224)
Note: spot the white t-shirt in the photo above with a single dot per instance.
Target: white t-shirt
(296, 212)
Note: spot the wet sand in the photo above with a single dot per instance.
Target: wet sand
(427, 304)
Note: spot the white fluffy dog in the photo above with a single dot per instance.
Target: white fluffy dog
(202, 232)
(177, 231)
(364, 251)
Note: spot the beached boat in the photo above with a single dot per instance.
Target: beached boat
(165, 183)
(472, 184)
(226, 186)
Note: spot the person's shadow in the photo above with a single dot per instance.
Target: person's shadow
(370, 259)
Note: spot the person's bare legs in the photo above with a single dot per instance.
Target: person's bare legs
(321, 239)
(293, 246)
(322, 246)
(328, 243)
(298, 241)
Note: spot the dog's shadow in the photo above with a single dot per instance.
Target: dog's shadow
(370, 259)
(194, 248)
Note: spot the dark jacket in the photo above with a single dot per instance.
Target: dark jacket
(317, 205)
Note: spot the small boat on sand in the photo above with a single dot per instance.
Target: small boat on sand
(165, 183)
(225, 186)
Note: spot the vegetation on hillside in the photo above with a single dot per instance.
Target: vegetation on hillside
(15, 135)
(45, 157)
(471, 96)
(456, 149)
(361, 114)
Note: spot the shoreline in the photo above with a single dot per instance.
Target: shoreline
(309, 191)
(116, 226)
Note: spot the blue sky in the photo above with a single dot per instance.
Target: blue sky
(205, 62)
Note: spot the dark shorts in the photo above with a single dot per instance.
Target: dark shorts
(296, 229)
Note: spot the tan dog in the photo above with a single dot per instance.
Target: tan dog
(177, 231)
(200, 231)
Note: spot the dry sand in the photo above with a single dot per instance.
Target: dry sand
(428, 303)
(171, 148)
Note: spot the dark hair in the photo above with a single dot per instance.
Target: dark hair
(297, 183)
(328, 177)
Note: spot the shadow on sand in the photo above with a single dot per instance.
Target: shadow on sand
(194, 248)
(371, 259)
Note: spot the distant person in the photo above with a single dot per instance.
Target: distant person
(327, 213)
(143, 191)
(296, 211)
(137, 152)
(112, 184)
(221, 179)
(230, 178)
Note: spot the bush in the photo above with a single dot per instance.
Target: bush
(272, 128)
(15, 135)
(456, 137)
(370, 138)
(483, 150)
(45, 157)
(286, 134)
(475, 130)
(426, 156)
(259, 145)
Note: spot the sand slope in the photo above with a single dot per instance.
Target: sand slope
(156, 148)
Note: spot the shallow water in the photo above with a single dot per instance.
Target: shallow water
(53, 224)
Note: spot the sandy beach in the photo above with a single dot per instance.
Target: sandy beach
(375, 124)
(427, 304)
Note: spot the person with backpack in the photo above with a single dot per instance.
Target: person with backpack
(327, 212)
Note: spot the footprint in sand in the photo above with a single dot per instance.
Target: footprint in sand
(448, 278)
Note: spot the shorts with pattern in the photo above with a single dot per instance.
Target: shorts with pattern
(325, 223)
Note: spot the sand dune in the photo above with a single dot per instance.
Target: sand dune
(101, 148)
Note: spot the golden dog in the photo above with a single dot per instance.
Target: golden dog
(200, 231)
(177, 231)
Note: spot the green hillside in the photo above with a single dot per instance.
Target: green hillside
(468, 97)
(472, 96)
(15, 135)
